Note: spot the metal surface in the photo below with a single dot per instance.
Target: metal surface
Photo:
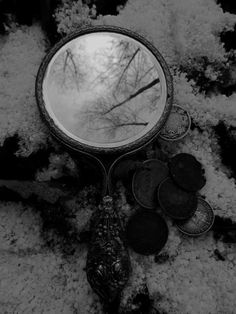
(187, 172)
(147, 232)
(201, 222)
(146, 181)
(175, 202)
(177, 125)
(108, 264)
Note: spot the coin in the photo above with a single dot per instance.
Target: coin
(200, 222)
(176, 202)
(123, 169)
(146, 180)
(187, 172)
(177, 125)
(147, 232)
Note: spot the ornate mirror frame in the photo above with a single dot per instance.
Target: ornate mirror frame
(74, 144)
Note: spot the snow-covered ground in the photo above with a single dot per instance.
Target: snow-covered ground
(35, 279)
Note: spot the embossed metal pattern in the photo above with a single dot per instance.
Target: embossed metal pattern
(108, 264)
(177, 126)
(201, 222)
(56, 131)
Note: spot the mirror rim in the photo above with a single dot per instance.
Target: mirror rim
(76, 145)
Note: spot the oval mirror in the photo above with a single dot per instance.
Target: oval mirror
(104, 89)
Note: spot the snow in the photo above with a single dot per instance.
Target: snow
(20, 57)
(35, 279)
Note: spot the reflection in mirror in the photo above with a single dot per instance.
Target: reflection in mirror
(104, 89)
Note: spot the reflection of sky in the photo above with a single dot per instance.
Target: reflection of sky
(66, 103)
(71, 105)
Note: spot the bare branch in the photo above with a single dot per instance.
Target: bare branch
(138, 92)
(121, 125)
(127, 65)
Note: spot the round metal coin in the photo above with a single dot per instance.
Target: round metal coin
(175, 202)
(187, 172)
(146, 181)
(177, 126)
(147, 232)
(200, 222)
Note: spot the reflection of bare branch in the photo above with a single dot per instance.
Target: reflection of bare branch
(127, 65)
(121, 125)
(65, 62)
(75, 72)
(68, 70)
(73, 62)
(118, 61)
(138, 92)
(112, 122)
(146, 73)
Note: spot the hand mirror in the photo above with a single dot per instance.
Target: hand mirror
(105, 91)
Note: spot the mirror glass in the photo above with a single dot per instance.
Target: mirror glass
(104, 89)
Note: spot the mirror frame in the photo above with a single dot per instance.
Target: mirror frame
(81, 147)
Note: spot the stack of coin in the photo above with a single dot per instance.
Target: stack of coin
(173, 188)
(178, 199)
(177, 194)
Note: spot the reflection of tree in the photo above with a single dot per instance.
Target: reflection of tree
(105, 88)
(130, 91)
(68, 69)
(135, 94)
(112, 125)
(71, 66)
(127, 66)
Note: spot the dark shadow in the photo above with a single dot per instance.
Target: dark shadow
(224, 229)
(20, 168)
(227, 143)
(227, 5)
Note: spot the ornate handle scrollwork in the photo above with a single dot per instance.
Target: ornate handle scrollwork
(108, 263)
